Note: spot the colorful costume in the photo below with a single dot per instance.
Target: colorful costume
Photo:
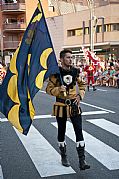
(90, 69)
(69, 80)
(64, 108)
(2, 73)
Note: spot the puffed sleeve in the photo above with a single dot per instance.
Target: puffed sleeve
(53, 87)
(82, 87)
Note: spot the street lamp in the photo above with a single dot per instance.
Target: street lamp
(93, 23)
(92, 18)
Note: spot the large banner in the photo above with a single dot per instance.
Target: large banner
(33, 62)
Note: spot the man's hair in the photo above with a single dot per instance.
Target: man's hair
(63, 52)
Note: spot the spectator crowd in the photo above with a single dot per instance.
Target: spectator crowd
(108, 76)
(2, 73)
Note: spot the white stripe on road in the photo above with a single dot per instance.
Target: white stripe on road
(99, 89)
(42, 91)
(83, 113)
(91, 105)
(50, 116)
(97, 107)
(3, 119)
(99, 150)
(94, 112)
(106, 125)
(1, 174)
(43, 116)
(45, 158)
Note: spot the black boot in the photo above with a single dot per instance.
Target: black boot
(117, 83)
(88, 88)
(64, 158)
(82, 163)
(94, 89)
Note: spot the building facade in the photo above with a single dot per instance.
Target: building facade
(69, 25)
(76, 31)
(14, 18)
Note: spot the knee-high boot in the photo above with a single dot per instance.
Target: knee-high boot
(81, 154)
(94, 89)
(117, 83)
(88, 87)
(64, 158)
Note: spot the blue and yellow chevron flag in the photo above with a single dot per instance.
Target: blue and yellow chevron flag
(33, 62)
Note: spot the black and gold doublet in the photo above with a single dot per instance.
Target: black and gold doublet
(72, 81)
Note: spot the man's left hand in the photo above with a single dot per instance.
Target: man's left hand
(77, 100)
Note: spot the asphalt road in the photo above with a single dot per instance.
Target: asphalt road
(37, 156)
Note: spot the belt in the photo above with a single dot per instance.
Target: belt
(65, 101)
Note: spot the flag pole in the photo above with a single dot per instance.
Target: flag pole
(51, 43)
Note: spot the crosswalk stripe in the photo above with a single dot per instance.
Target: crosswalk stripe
(83, 113)
(87, 104)
(90, 104)
(106, 125)
(50, 116)
(94, 112)
(45, 158)
(99, 150)
(99, 89)
(43, 116)
(1, 174)
(3, 120)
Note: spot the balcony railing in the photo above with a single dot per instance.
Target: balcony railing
(13, 7)
(14, 26)
(10, 44)
(114, 1)
(103, 3)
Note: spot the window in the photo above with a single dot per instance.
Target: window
(99, 29)
(10, 20)
(74, 32)
(115, 27)
(70, 33)
(11, 38)
(22, 20)
(81, 3)
(79, 32)
(86, 30)
(108, 28)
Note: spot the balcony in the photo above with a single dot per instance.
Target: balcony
(114, 2)
(13, 8)
(10, 44)
(14, 26)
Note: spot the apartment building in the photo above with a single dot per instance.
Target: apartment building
(74, 30)
(85, 2)
(14, 18)
(69, 25)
